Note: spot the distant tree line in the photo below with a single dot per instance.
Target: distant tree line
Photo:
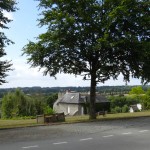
(108, 90)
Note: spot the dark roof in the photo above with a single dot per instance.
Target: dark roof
(77, 98)
(72, 98)
(99, 98)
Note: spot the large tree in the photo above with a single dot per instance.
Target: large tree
(98, 39)
(5, 7)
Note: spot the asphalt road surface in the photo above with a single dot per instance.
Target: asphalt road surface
(132, 134)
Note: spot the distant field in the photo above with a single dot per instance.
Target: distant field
(32, 122)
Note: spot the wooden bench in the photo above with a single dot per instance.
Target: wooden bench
(101, 113)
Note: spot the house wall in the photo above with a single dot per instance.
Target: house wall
(68, 109)
(81, 110)
(131, 110)
(139, 106)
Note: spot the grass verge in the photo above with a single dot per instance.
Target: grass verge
(75, 119)
(17, 123)
(109, 117)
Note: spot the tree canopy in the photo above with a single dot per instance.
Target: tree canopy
(17, 104)
(137, 90)
(5, 6)
(98, 39)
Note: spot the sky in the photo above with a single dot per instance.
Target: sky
(23, 28)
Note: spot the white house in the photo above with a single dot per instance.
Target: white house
(74, 103)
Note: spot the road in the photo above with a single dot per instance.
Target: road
(129, 134)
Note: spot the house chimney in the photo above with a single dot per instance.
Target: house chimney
(60, 94)
(67, 91)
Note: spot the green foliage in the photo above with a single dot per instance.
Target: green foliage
(116, 110)
(120, 101)
(38, 103)
(98, 39)
(137, 90)
(123, 103)
(146, 101)
(125, 109)
(17, 104)
(148, 92)
(5, 6)
(7, 106)
(117, 101)
(51, 99)
(39, 106)
(48, 110)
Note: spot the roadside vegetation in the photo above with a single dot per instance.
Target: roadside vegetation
(19, 105)
(12, 123)
(19, 109)
(121, 103)
(75, 119)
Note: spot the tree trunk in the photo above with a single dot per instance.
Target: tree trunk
(92, 113)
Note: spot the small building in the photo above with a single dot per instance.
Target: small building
(74, 103)
(135, 108)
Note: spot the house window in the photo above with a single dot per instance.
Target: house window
(68, 110)
(82, 111)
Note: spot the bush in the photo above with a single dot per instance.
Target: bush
(125, 109)
(17, 104)
(48, 110)
(137, 90)
(119, 101)
(51, 99)
(116, 110)
(7, 106)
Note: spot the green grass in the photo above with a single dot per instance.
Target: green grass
(109, 117)
(32, 122)
(17, 123)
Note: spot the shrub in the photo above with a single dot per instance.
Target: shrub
(137, 90)
(125, 109)
(116, 110)
(48, 110)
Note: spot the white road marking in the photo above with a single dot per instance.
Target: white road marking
(127, 133)
(108, 136)
(86, 139)
(28, 147)
(60, 143)
(143, 131)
